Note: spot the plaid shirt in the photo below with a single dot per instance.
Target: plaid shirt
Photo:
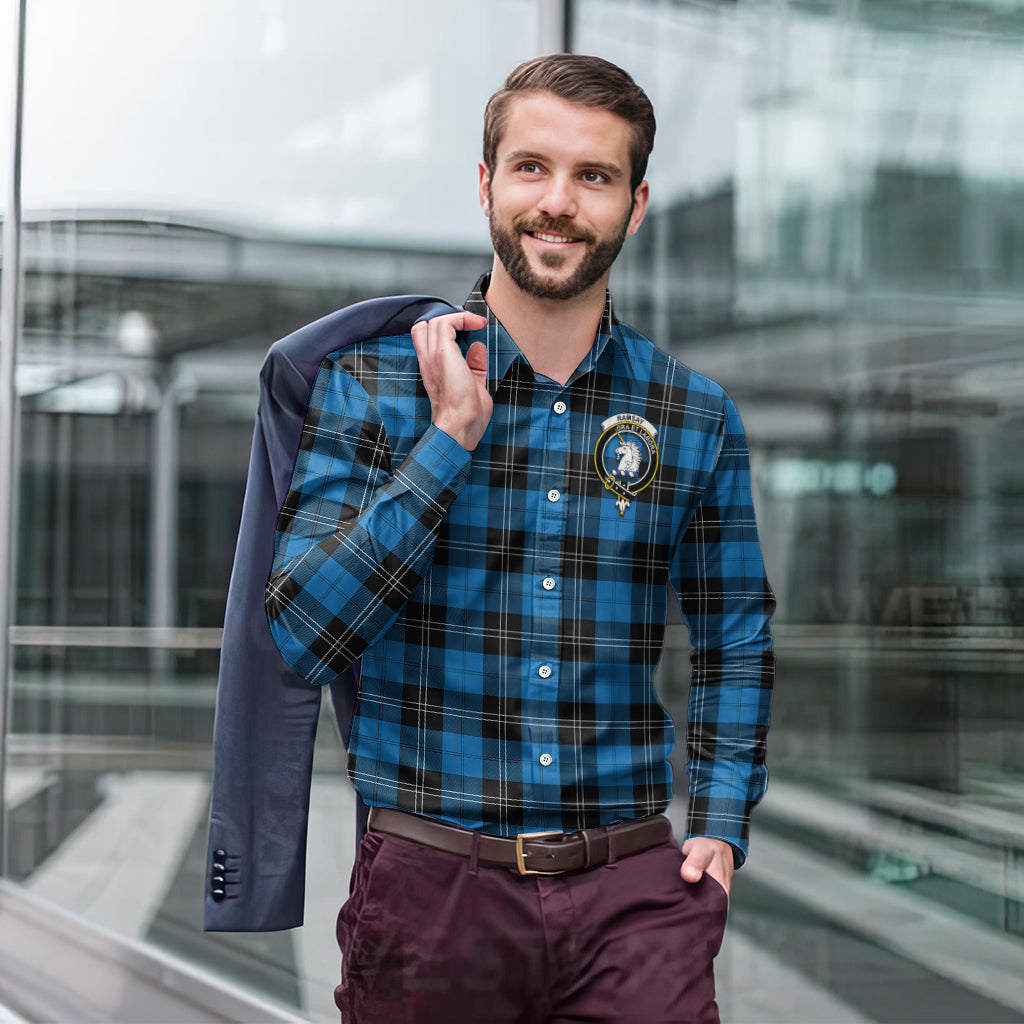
(509, 603)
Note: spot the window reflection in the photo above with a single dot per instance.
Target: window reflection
(854, 281)
(199, 183)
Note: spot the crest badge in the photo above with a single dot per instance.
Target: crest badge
(626, 456)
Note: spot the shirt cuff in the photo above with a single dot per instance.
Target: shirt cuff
(446, 450)
(431, 476)
(734, 830)
(739, 853)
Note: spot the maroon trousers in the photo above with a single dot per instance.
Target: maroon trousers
(430, 937)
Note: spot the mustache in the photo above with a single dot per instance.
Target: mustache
(552, 226)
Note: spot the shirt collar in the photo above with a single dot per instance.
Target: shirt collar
(502, 351)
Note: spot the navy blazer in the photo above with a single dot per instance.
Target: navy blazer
(266, 713)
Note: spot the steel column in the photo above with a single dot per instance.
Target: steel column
(554, 26)
(10, 321)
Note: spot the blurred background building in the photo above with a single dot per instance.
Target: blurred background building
(836, 235)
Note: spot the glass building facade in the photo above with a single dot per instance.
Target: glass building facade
(836, 235)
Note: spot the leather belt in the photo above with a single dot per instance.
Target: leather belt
(530, 853)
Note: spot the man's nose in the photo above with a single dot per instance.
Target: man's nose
(559, 199)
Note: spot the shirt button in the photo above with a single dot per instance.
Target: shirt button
(544, 671)
(559, 407)
(553, 495)
(545, 759)
(548, 583)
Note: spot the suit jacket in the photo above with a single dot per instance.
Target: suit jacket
(266, 714)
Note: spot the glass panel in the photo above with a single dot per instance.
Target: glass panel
(8, 26)
(326, 119)
(200, 179)
(8, 55)
(836, 236)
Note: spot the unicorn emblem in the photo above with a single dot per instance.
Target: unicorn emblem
(628, 454)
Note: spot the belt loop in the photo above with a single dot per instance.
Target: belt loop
(474, 854)
(611, 846)
(586, 849)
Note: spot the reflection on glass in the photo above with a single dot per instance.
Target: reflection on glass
(8, 25)
(200, 179)
(855, 280)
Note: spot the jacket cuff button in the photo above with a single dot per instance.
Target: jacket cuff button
(218, 895)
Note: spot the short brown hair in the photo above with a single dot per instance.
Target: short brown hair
(577, 78)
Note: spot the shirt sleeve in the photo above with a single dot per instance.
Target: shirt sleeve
(354, 538)
(726, 602)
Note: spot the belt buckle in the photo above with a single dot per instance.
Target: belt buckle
(521, 853)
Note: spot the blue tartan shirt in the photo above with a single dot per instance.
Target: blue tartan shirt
(509, 604)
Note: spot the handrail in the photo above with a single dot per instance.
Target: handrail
(169, 637)
(54, 963)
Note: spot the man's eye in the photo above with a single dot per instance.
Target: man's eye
(529, 168)
(593, 177)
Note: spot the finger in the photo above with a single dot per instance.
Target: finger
(441, 330)
(459, 321)
(425, 349)
(691, 872)
(473, 322)
(420, 332)
(477, 358)
(695, 864)
(419, 340)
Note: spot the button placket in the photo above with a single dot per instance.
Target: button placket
(550, 416)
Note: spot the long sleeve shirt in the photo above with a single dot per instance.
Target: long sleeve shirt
(509, 604)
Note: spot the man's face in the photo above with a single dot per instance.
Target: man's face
(559, 203)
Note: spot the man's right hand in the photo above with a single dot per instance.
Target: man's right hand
(460, 403)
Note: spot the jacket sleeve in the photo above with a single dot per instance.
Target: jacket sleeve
(264, 727)
(726, 602)
(354, 537)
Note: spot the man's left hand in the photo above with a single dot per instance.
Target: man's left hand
(711, 855)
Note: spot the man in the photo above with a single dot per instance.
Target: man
(489, 514)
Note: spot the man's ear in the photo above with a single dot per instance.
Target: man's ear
(485, 185)
(641, 197)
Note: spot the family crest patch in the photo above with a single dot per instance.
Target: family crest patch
(626, 456)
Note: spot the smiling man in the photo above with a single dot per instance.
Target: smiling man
(490, 510)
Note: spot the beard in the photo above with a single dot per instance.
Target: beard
(599, 255)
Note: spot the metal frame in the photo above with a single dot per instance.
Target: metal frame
(555, 26)
(10, 324)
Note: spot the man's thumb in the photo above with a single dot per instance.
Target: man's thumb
(477, 358)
